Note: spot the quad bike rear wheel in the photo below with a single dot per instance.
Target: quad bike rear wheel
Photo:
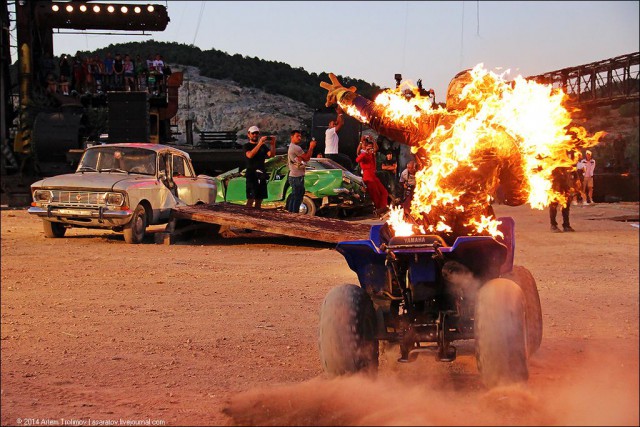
(347, 332)
(527, 283)
(501, 350)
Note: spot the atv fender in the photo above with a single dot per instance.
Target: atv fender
(366, 259)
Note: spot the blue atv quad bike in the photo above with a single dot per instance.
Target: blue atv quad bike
(422, 294)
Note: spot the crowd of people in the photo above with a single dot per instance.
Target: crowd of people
(114, 72)
(397, 188)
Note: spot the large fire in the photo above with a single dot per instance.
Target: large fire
(509, 134)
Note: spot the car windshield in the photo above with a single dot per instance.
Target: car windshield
(119, 160)
(323, 163)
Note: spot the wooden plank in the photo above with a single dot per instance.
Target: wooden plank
(274, 221)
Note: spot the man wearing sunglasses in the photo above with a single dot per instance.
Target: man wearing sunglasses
(257, 152)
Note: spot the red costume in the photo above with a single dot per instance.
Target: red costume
(375, 189)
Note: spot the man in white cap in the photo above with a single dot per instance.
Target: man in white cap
(256, 153)
(588, 165)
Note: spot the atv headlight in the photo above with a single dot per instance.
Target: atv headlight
(114, 199)
(42, 196)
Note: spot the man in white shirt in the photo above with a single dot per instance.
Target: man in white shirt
(588, 165)
(296, 161)
(331, 138)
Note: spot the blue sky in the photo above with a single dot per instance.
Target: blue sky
(373, 40)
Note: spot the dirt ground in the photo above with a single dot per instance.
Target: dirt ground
(224, 332)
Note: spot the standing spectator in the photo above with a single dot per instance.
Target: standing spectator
(151, 77)
(157, 71)
(562, 183)
(87, 68)
(65, 68)
(108, 72)
(389, 174)
(408, 181)
(331, 139)
(256, 153)
(390, 164)
(98, 74)
(588, 164)
(367, 149)
(158, 64)
(141, 73)
(78, 74)
(118, 72)
(166, 72)
(129, 74)
(296, 161)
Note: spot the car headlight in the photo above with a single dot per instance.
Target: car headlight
(42, 196)
(114, 199)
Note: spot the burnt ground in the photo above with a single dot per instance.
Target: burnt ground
(224, 332)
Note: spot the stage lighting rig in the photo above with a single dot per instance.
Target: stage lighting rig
(101, 16)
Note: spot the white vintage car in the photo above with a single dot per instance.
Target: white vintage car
(123, 187)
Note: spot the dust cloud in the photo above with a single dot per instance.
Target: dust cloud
(592, 389)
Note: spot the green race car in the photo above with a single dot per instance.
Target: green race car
(330, 189)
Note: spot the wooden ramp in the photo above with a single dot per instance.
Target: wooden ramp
(268, 220)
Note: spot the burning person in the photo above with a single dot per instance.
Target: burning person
(492, 133)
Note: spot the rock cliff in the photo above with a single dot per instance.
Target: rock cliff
(223, 105)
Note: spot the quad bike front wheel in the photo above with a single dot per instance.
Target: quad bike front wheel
(527, 283)
(500, 329)
(347, 332)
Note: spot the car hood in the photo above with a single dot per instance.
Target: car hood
(93, 180)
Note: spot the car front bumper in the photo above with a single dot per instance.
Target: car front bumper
(87, 217)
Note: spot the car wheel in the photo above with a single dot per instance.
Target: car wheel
(53, 230)
(500, 333)
(308, 207)
(134, 231)
(347, 339)
(533, 310)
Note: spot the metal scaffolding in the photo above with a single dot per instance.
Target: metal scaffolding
(611, 81)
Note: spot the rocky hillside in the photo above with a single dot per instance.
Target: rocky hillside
(223, 105)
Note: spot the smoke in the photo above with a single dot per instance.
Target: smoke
(579, 388)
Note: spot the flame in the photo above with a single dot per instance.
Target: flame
(352, 111)
(397, 222)
(488, 224)
(520, 127)
(405, 103)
